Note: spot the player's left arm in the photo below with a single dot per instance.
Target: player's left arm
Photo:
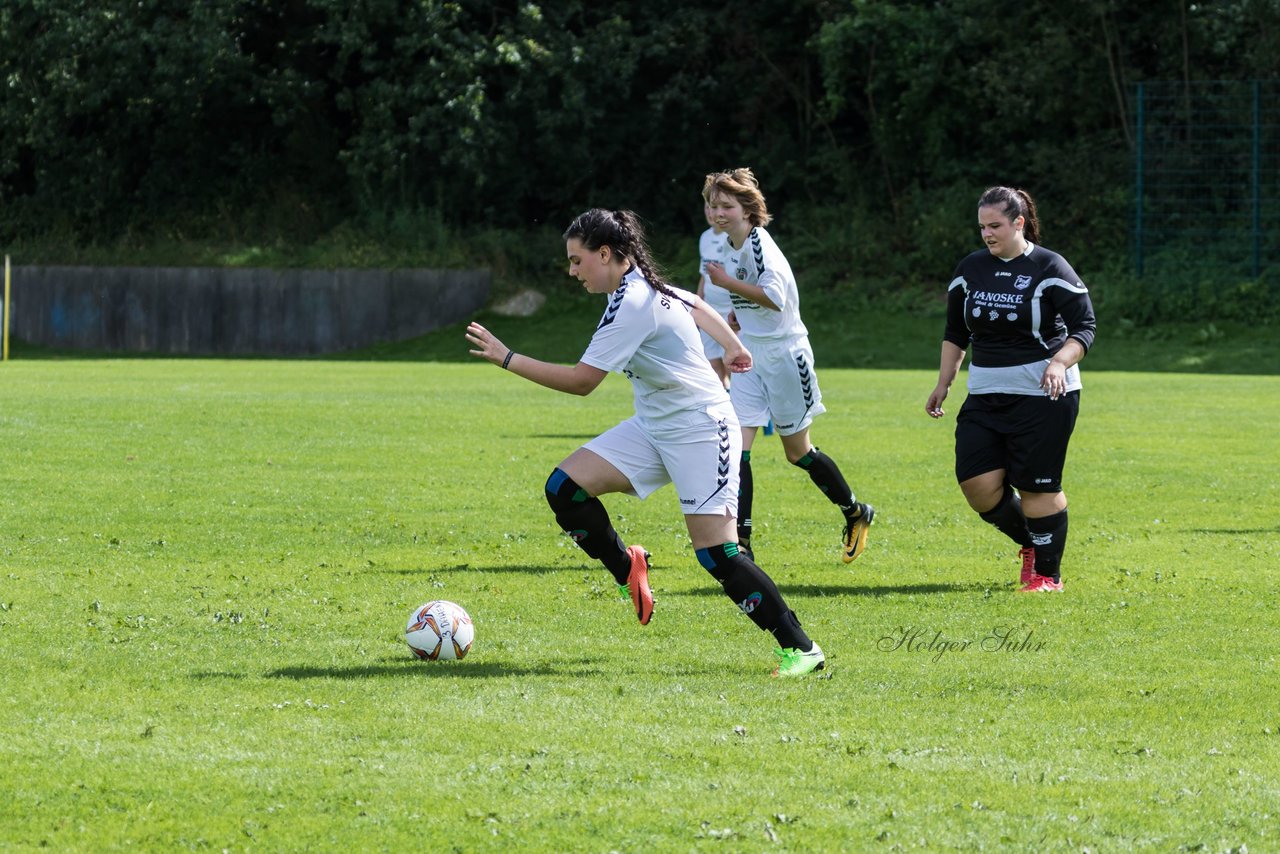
(1076, 310)
(580, 379)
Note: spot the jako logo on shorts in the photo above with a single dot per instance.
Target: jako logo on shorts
(749, 604)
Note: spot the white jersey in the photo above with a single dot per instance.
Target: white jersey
(714, 247)
(761, 262)
(653, 340)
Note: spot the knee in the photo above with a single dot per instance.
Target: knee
(561, 490)
(800, 459)
(1038, 504)
(982, 497)
(719, 561)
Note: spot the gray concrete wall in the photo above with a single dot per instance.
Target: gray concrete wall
(236, 312)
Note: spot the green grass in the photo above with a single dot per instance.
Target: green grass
(205, 569)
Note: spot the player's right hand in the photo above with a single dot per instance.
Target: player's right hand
(486, 345)
(933, 406)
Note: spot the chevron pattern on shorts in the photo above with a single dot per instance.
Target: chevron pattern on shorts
(806, 379)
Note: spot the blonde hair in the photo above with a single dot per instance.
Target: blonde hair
(740, 183)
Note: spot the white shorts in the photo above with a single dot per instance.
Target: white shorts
(697, 451)
(781, 386)
(710, 346)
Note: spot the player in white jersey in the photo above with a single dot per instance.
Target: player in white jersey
(684, 430)
(782, 384)
(712, 247)
(1029, 320)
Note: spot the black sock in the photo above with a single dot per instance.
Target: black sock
(1008, 518)
(1049, 533)
(745, 496)
(755, 593)
(826, 475)
(585, 520)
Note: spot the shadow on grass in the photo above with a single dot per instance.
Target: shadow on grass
(532, 570)
(1236, 531)
(416, 669)
(854, 589)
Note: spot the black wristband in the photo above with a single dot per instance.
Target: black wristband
(507, 360)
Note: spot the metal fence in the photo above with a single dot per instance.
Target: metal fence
(1207, 177)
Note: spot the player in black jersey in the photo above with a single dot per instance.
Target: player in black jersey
(1029, 320)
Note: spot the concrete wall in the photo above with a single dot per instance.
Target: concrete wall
(241, 312)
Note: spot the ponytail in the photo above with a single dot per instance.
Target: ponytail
(622, 232)
(1014, 203)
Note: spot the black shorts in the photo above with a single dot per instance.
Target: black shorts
(1026, 435)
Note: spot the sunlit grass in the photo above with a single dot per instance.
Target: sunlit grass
(205, 568)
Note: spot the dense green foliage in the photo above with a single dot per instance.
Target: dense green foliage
(872, 124)
(205, 569)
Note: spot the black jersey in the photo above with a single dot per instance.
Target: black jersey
(1019, 311)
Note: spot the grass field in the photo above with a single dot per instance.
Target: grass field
(205, 569)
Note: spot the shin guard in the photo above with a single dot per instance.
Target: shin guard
(754, 593)
(826, 475)
(1008, 518)
(584, 519)
(1049, 534)
(746, 490)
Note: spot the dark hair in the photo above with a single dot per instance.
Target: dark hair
(622, 233)
(1014, 203)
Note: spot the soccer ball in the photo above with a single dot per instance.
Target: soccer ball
(440, 630)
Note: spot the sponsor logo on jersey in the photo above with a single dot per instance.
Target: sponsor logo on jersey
(1000, 273)
(1013, 315)
(993, 315)
(1022, 282)
(991, 297)
(689, 501)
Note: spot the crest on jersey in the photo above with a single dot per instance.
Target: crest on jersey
(1022, 282)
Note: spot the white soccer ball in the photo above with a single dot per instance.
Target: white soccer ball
(440, 630)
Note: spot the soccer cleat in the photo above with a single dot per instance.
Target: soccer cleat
(1028, 556)
(855, 532)
(638, 584)
(1041, 584)
(793, 662)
